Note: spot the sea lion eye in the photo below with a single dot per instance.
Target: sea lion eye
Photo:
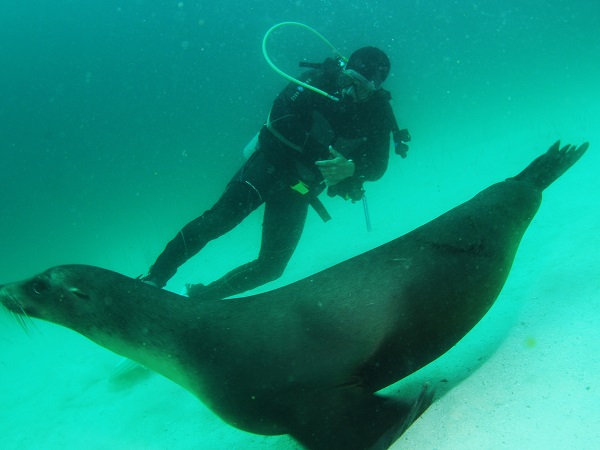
(40, 286)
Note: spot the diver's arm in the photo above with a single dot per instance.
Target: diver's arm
(337, 168)
(371, 160)
(369, 164)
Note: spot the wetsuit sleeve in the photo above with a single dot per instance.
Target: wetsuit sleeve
(371, 163)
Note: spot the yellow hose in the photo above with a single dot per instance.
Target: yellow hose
(285, 75)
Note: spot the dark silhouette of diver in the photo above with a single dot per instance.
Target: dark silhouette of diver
(308, 142)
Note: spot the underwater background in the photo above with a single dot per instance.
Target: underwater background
(120, 121)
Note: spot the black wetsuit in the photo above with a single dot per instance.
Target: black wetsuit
(360, 131)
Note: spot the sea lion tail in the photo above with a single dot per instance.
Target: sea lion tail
(352, 419)
(547, 168)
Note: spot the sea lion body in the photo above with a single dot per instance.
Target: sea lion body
(306, 359)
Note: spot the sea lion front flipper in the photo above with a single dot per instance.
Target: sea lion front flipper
(418, 407)
(352, 419)
(128, 372)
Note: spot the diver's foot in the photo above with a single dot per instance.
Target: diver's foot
(152, 281)
(202, 292)
(195, 290)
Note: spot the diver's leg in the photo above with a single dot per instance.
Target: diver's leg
(285, 215)
(236, 203)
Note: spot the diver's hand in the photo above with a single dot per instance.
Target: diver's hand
(336, 169)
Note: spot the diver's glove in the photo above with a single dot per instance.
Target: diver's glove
(350, 188)
(401, 137)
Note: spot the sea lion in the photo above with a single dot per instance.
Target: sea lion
(306, 359)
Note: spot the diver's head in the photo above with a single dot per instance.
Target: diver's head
(365, 72)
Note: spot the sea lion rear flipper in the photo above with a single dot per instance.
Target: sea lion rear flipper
(351, 419)
(546, 169)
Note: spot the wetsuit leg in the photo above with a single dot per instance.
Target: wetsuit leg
(256, 181)
(285, 215)
(236, 203)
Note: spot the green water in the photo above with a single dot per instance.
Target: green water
(120, 121)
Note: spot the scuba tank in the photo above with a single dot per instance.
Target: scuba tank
(251, 146)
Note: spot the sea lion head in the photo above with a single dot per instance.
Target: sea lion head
(79, 297)
(62, 295)
(125, 315)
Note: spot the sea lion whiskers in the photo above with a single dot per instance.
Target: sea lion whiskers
(18, 313)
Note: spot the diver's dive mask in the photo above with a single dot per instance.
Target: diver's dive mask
(355, 85)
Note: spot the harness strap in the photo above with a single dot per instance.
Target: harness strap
(313, 200)
(300, 187)
(319, 208)
(280, 136)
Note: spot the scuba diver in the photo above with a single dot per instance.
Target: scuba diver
(309, 142)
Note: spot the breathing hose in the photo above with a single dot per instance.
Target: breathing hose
(289, 77)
